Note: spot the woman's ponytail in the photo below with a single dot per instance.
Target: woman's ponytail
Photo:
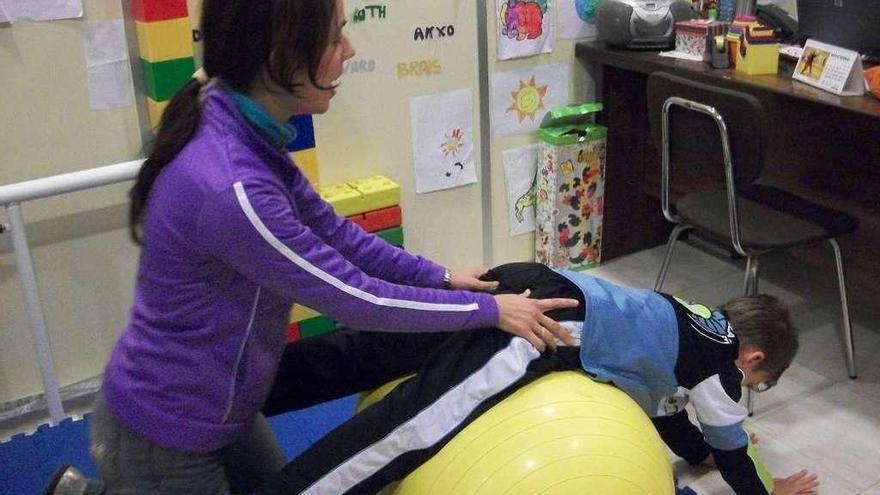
(179, 123)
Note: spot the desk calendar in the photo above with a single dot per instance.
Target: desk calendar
(831, 68)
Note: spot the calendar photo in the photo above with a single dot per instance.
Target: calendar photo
(812, 63)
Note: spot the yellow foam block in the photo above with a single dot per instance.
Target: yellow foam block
(341, 196)
(155, 109)
(165, 40)
(362, 195)
(300, 313)
(307, 161)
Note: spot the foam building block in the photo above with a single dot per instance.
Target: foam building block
(28, 461)
(307, 162)
(363, 195)
(300, 313)
(340, 196)
(393, 236)
(293, 334)
(305, 133)
(165, 47)
(316, 326)
(158, 10)
(376, 220)
(163, 79)
(164, 40)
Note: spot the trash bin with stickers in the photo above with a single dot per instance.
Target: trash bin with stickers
(570, 187)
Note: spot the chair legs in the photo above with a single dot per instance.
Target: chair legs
(670, 248)
(847, 329)
(750, 284)
(750, 288)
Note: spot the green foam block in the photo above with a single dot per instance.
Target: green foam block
(163, 79)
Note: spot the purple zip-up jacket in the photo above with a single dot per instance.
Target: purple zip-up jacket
(234, 234)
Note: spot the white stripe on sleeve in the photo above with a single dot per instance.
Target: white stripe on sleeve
(301, 262)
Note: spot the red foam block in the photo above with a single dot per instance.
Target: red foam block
(158, 10)
(376, 220)
(293, 333)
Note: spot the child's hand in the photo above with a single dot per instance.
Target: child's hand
(800, 483)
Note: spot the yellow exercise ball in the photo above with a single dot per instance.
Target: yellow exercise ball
(561, 434)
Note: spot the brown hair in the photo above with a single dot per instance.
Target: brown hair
(764, 322)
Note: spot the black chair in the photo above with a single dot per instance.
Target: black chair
(723, 131)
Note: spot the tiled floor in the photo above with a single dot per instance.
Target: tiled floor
(816, 418)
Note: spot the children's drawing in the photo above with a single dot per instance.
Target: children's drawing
(443, 140)
(577, 18)
(519, 177)
(528, 99)
(452, 142)
(524, 28)
(523, 19)
(525, 201)
(519, 99)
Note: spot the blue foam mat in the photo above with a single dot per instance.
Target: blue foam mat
(27, 462)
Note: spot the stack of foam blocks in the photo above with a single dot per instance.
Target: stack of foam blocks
(165, 46)
(372, 202)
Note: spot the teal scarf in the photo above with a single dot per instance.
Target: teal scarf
(277, 133)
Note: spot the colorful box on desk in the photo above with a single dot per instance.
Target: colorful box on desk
(692, 36)
(570, 188)
(359, 196)
(758, 52)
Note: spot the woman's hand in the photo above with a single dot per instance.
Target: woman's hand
(524, 317)
(469, 279)
(800, 483)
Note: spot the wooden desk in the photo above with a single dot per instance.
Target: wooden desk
(822, 146)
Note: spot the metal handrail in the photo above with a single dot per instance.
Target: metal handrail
(10, 197)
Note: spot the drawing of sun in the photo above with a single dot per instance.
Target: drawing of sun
(452, 142)
(527, 99)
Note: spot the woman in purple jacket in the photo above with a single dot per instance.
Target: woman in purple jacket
(232, 235)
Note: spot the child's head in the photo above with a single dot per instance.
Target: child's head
(768, 340)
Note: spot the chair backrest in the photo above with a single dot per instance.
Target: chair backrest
(694, 139)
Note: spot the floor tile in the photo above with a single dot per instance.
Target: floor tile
(836, 427)
(797, 382)
(874, 490)
(821, 346)
(690, 266)
(779, 458)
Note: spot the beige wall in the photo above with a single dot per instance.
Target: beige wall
(83, 259)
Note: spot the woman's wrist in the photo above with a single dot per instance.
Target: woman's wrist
(446, 282)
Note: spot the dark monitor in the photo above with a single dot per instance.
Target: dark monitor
(853, 24)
